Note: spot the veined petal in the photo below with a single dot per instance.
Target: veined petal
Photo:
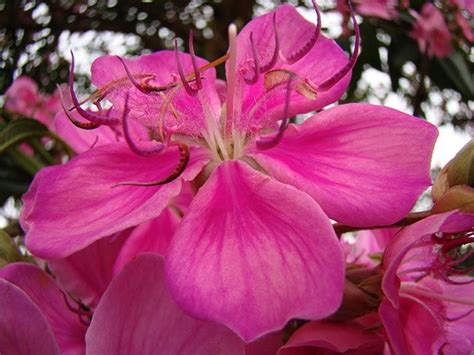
(364, 164)
(43, 291)
(70, 206)
(263, 102)
(23, 328)
(82, 140)
(152, 236)
(172, 108)
(137, 316)
(253, 253)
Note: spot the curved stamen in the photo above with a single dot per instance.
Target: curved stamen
(300, 53)
(268, 142)
(90, 116)
(190, 90)
(77, 123)
(180, 167)
(454, 319)
(197, 75)
(455, 282)
(271, 63)
(333, 80)
(256, 68)
(128, 138)
(144, 87)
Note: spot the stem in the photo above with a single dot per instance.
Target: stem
(409, 219)
(43, 153)
(27, 163)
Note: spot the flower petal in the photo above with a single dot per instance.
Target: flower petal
(152, 236)
(335, 337)
(87, 273)
(185, 114)
(263, 103)
(137, 316)
(364, 164)
(70, 206)
(23, 328)
(253, 253)
(42, 290)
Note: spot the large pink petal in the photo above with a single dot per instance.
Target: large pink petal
(41, 288)
(87, 273)
(70, 206)
(23, 328)
(137, 316)
(262, 105)
(253, 253)
(334, 337)
(364, 164)
(186, 114)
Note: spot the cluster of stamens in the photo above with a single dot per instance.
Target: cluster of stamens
(227, 143)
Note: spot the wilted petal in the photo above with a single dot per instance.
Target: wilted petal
(364, 164)
(253, 253)
(42, 290)
(23, 328)
(70, 206)
(137, 316)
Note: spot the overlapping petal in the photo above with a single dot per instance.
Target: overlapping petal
(138, 316)
(330, 337)
(87, 273)
(23, 328)
(364, 164)
(171, 109)
(42, 290)
(253, 253)
(70, 206)
(263, 102)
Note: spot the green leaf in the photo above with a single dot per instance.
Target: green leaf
(455, 73)
(20, 130)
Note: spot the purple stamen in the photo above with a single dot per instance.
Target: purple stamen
(454, 319)
(182, 164)
(300, 53)
(454, 282)
(271, 63)
(268, 142)
(90, 116)
(256, 68)
(197, 75)
(77, 123)
(333, 80)
(128, 138)
(190, 90)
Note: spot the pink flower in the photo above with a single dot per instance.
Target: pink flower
(368, 246)
(384, 9)
(256, 247)
(23, 97)
(428, 304)
(431, 32)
